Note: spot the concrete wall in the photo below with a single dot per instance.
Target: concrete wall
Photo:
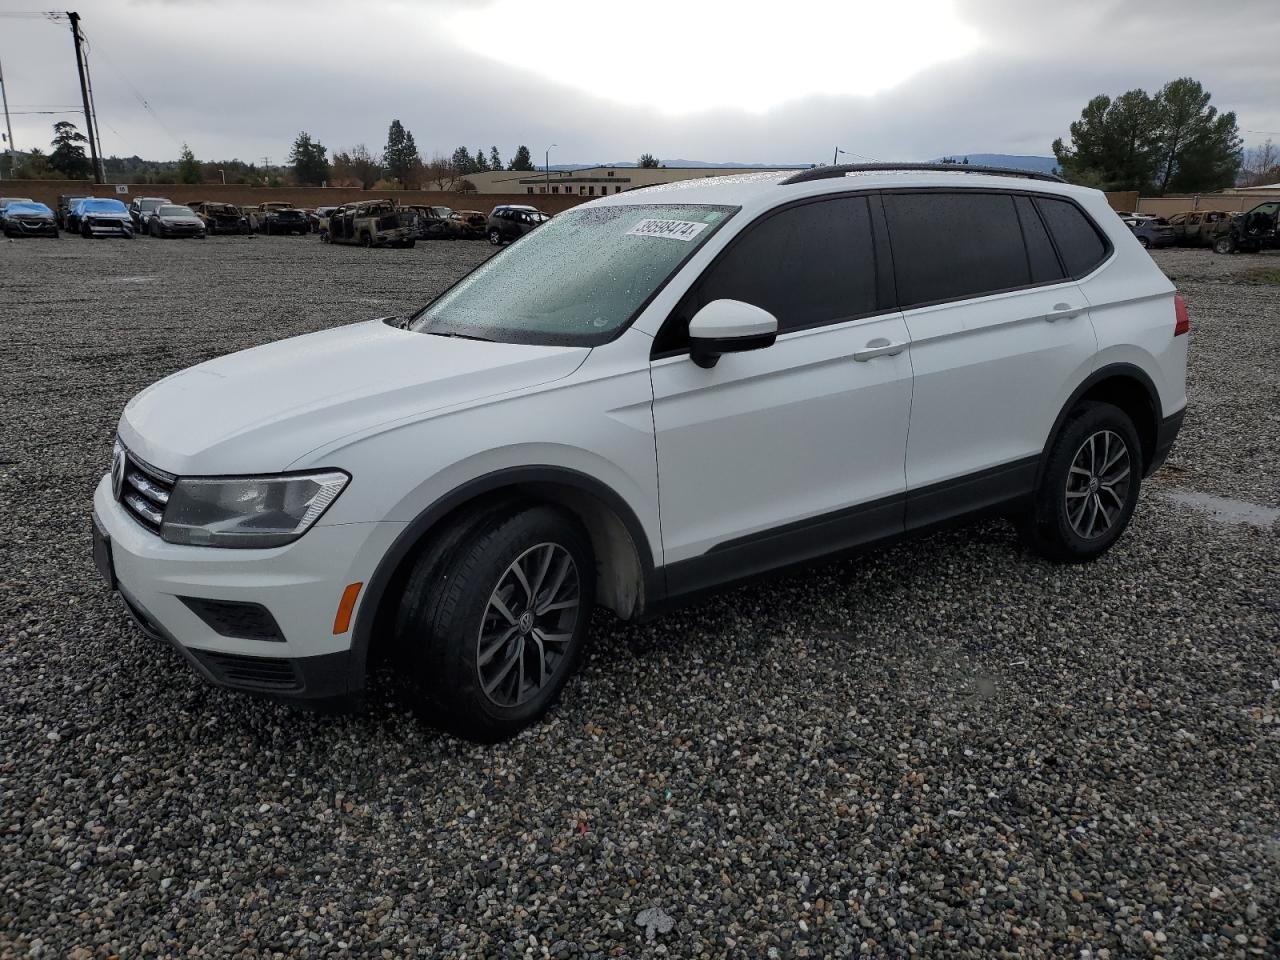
(1168, 206)
(1126, 201)
(47, 191)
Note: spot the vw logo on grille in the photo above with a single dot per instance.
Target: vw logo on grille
(117, 474)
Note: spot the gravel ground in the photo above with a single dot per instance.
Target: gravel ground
(947, 748)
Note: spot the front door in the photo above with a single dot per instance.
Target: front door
(797, 449)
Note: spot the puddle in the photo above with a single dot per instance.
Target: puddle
(1224, 509)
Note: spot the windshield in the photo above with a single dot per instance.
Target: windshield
(578, 279)
(149, 204)
(16, 208)
(103, 206)
(175, 211)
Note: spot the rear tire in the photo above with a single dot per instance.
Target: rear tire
(495, 238)
(1224, 245)
(1089, 486)
(479, 642)
(1146, 244)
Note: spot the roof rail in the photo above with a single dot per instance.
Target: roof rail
(839, 170)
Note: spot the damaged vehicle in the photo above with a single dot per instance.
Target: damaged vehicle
(62, 212)
(432, 223)
(371, 223)
(175, 220)
(141, 208)
(100, 217)
(510, 222)
(220, 217)
(26, 218)
(469, 224)
(1252, 231)
(278, 217)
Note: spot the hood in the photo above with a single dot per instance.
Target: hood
(260, 410)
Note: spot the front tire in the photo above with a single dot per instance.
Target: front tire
(495, 238)
(494, 619)
(1089, 486)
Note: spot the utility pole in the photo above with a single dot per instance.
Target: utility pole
(84, 95)
(546, 168)
(4, 95)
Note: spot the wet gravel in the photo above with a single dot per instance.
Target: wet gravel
(947, 748)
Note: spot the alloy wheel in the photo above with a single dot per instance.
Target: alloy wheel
(1098, 484)
(528, 625)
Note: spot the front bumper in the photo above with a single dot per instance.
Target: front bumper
(300, 584)
(30, 228)
(108, 228)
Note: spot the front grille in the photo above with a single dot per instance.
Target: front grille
(145, 491)
(236, 618)
(272, 674)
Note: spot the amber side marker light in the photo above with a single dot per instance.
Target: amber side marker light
(342, 622)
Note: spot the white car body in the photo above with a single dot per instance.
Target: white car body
(686, 477)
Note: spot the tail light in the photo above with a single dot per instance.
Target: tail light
(1182, 323)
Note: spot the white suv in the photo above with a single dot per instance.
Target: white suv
(655, 393)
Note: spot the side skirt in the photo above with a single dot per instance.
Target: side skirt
(850, 530)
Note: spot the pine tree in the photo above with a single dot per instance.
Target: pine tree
(309, 159)
(400, 158)
(495, 160)
(68, 156)
(188, 167)
(481, 162)
(522, 160)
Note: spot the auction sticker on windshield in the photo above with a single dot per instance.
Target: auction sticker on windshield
(684, 230)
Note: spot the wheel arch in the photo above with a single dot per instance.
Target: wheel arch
(628, 581)
(1126, 386)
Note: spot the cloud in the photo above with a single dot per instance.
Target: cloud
(240, 79)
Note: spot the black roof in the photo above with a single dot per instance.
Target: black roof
(839, 170)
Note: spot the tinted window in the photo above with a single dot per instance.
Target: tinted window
(1040, 256)
(949, 246)
(807, 265)
(1079, 243)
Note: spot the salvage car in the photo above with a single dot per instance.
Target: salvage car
(100, 217)
(63, 210)
(371, 223)
(220, 217)
(808, 361)
(175, 220)
(432, 223)
(469, 224)
(1152, 231)
(277, 217)
(141, 208)
(509, 222)
(1252, 231)
(1199, 228)
(25, 218)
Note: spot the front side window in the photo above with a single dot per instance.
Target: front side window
(577, 280)
(808, 265)
(952, 246)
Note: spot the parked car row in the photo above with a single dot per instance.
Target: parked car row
(369, 223)
(1223, 231)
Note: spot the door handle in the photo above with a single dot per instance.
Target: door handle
(1062, 311)
(879, 347)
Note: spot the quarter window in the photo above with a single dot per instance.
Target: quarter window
(951, 246)
(1079, 243)
(1044, 264)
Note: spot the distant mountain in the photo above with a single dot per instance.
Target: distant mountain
(685, 163)
(1012, 160)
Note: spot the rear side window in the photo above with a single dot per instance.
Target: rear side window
(1079, 243)
(1044, 264)
(951, 246)
(807, 265)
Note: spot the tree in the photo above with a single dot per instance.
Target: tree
(439, 170)
(309, 159)
(481, 161)
(401, 154)
(188, 166)
(1172, 141)
(463, 162)
(357, 166)
(1261, 164)
(495, 161)
(522, 160)
(68, 155)
(648, 161)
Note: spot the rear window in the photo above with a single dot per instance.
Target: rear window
(1079, 243)
(952, 246)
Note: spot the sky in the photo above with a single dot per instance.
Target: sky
(706, 80)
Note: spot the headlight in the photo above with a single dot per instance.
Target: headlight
(248, 511)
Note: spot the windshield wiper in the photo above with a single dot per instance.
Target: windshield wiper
(460, 336)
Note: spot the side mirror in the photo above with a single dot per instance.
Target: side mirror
(729, 326)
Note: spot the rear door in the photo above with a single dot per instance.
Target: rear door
(1000, 336)
(791, 451)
